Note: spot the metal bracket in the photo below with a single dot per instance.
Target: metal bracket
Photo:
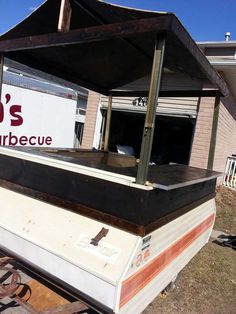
(99, 236)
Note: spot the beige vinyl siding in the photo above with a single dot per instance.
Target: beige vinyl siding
(166, 106)
(90, 119)
(226, 138)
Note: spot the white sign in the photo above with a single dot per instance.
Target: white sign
(103, 250)
(32, 118)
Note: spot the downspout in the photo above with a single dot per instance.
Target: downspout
(212, 148)
(108, 123)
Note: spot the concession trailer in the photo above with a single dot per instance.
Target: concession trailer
(114, 228)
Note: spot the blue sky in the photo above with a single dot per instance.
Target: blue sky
(204, 19)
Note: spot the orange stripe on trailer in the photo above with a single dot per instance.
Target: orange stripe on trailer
(132, 285)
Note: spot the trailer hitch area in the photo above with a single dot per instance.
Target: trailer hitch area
(8, 289)
(101, 234)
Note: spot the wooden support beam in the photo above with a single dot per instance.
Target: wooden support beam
(1, 74)
(108, 123)
(149, 126)
(87, 35)
(65, 16)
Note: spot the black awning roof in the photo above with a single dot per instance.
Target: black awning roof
(107, 47)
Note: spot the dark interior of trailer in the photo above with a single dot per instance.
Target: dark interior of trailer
(172, 140)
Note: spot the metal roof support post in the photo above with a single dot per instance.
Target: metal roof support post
(108, 123)
(1, 73)
(65, 16)
(146, 147)
(214, 129)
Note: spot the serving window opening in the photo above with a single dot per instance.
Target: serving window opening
(172, 140)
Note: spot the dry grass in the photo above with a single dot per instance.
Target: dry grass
(225, 210)
(207, 285)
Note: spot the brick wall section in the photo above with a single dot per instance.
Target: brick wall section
(226, 131)
(226, 135)
(90, 119)
(202, 135)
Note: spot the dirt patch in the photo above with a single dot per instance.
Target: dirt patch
(207, 285)
(225, 210)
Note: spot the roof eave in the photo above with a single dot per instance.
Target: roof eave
(161, 24)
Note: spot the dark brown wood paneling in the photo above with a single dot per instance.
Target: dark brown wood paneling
(175, 214)
(81, 193)
(75, 207)
(169, 93)
(100, 216)
(88, 35)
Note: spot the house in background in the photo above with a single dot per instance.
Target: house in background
(200, 132)
(222, 113)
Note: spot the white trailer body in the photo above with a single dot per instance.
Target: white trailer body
(119, 273)
(30, 117)
(125, 271)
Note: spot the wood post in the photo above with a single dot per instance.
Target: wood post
(108, 123)
(102, 132)
(65, 16)
(146, 147)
